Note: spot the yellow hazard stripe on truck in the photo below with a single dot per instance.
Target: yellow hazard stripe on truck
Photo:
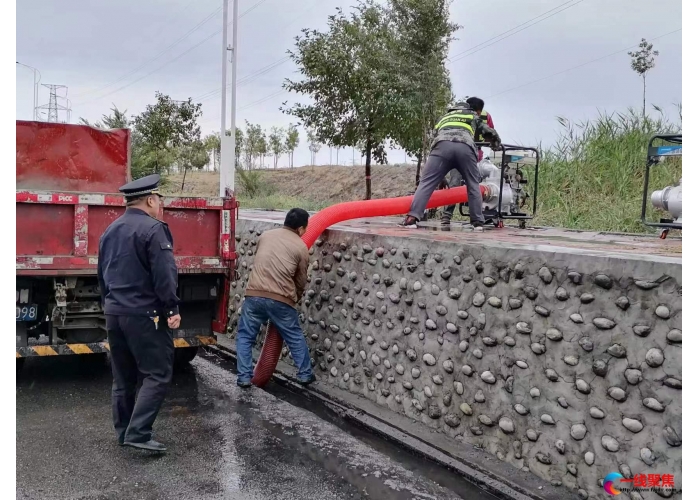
(98, 347)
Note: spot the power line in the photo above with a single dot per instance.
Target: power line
(253, 76)
(161, 53)
(171, 60)
(243, 80)
(578, 66)
(523, 26)
(259, 101)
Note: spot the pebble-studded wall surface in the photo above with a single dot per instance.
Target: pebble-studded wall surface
(565, 365)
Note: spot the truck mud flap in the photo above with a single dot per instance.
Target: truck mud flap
(99, 347)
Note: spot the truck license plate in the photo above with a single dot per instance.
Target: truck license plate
(27, 313)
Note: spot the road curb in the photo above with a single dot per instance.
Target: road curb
(498, 485)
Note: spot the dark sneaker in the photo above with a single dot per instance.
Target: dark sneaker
(244, 385)
(445, 220)
(409, 222)
(148, 445)
(308, 382)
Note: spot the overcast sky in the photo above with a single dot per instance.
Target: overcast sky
(123, 52)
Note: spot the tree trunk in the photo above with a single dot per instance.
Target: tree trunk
(420, 159)
(368, 170)
(292, 160)
(644, 97)
(182, 188)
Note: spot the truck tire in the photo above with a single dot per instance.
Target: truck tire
(184, 355)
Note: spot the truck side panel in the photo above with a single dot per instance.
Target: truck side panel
(59, 157)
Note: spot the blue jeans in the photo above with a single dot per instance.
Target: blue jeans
(256, 311)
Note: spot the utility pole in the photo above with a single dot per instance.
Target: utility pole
(227, 168)
(35, 89)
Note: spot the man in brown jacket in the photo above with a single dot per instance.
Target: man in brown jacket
(275, 286)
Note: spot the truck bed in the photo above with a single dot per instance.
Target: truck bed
(60, 231)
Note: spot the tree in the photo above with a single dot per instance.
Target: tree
(192, 155)
(422, 35)
(276, 143)
(350, 75)
(291, 142)
(262, 148)
(117, 119)
(251, 143)
(314, 145)
(160, 133)
(239, 145)
(212, 145)
(642, 61)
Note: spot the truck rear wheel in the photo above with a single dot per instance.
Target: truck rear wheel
(184, 355)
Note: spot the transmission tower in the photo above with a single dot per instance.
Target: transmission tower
(53, 107)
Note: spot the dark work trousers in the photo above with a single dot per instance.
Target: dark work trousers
(140, 352)
(444, 157)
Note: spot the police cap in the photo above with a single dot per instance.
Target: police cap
(141, 187)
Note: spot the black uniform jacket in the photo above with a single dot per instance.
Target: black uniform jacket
(136, 267)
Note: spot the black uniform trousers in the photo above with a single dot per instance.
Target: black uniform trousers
(140, 353)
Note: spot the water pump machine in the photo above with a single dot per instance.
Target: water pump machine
(668, 199)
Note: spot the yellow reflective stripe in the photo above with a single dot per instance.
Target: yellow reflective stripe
(44, 350)
(455, 118)
(455, 124)
(484, 114)
(79, 348)
(180, 342)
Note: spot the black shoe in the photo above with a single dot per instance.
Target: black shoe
(308, 382)
(148, 445)
(409, 222)
(244, 385)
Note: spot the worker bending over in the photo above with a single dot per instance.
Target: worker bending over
(453, 179)
(453, 148)
(276, 285)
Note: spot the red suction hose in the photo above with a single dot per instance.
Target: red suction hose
(270, 354)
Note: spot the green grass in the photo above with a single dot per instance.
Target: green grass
(278, 201)
(591, 179)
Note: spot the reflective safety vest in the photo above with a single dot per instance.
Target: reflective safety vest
(459, 118)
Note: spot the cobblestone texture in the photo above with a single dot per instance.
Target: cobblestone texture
(565, 365)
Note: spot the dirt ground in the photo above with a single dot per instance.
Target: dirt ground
(321, 183)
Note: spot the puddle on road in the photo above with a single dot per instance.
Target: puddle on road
(363, 472)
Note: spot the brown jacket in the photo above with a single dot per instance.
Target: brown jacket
(280, 267)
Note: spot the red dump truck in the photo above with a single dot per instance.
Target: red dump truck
(68, 179)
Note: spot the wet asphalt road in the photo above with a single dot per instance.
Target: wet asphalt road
(224, 443)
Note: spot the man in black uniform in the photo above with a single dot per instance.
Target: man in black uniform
(138, 282)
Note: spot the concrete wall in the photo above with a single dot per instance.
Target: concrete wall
(566, 364)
